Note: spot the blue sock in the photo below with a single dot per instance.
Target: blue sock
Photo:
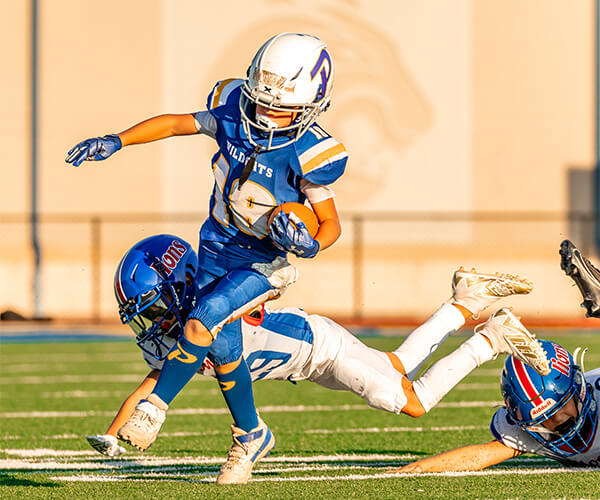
(236, 387)
(183, 361)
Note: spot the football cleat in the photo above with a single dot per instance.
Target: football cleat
(142, 428)
(585, 276)
(106, 444)
(476, 291)
(508, 336)
(247, 449)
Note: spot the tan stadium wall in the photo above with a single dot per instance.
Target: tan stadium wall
(458, 107)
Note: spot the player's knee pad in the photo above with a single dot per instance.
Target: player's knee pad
(382, 401)
(212, 310)
(382, 391)
(227, 346)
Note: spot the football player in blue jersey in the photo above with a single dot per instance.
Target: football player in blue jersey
(271, 151)
(155, 289)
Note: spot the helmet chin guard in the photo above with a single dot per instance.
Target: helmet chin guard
(291, 73)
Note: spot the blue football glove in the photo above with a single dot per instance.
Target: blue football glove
(290, 235)
(95, 149)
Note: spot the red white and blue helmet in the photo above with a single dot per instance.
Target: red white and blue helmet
(531, 399)
(154, 285)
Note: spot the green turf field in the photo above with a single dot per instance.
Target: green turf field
(329, 444)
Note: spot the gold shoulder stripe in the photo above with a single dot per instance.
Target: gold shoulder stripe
(320, 158)
(217, 94)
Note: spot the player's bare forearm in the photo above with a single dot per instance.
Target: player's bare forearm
(467, 458)
(329, 223)
(157, 128)
(128, 406)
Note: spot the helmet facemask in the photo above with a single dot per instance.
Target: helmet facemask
(152, 315)
(575, 434)
(257, 128)
(291, 73)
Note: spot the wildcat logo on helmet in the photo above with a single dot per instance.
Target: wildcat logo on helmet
(171, 257)
(561, 361)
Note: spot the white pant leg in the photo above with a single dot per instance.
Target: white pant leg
(424, 340)
(342, 362)
(451, 369)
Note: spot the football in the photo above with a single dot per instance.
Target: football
(304, 213)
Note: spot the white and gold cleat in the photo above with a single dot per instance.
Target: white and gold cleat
(507, 335)
(142, 428)
(247, 449)
(475, 291)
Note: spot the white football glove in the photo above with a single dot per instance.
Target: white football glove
(106, 444)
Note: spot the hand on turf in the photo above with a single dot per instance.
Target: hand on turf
(414, 467)
(106, 444)
(95, 149)
(290, 235)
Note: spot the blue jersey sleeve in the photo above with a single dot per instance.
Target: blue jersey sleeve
(321, 158)
(222, 94)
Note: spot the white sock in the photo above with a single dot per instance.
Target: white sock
(451, 369)
(424, 340)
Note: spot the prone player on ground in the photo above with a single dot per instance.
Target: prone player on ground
(554, 415)
(288, 344)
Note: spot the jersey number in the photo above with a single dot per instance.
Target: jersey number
(249, 205)
(261, 363)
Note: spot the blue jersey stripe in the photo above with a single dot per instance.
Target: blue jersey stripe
(289, 325)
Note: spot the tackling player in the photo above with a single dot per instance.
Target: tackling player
(288, 344)
(555, 416)
(271, 151)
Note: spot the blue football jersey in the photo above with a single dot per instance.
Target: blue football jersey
(238, 216)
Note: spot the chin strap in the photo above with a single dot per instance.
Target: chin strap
(249, 165)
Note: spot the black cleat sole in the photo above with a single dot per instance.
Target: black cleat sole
(579, 269)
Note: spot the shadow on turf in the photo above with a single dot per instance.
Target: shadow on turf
(12, 480)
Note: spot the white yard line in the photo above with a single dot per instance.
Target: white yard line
(47, 452)
(72, 358)
(307, 431)
(224, 411)
(120, 394)
(350, 430)
(74, 379)
(32, 461)
(346, 477)
(470, 404)
(475, 386)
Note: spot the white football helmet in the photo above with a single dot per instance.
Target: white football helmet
(291, 72)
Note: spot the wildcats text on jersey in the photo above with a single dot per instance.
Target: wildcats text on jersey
(239, 212)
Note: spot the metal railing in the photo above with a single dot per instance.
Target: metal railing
(579, 226)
